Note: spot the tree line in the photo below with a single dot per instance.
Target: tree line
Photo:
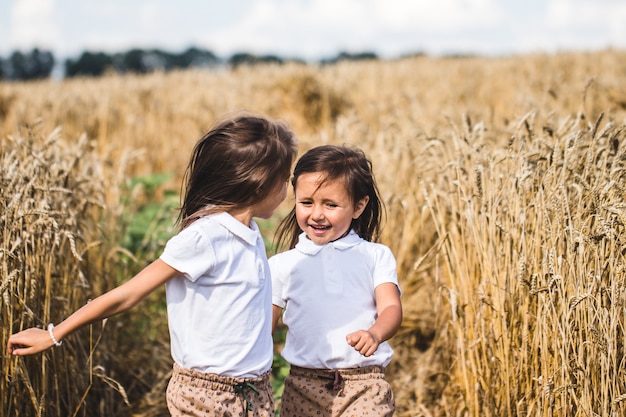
(40, 64)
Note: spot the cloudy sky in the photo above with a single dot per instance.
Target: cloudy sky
(312, 29)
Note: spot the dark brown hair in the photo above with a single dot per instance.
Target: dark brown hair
(338, 163)
(236, 164)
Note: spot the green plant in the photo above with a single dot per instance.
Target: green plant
(149, 215)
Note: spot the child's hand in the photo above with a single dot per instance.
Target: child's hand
(29, 341)
(363, 342)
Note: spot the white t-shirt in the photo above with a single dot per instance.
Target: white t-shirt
(327, 292)
(219, 308)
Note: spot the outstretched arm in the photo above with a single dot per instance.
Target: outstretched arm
(389, 309)
(115, 301)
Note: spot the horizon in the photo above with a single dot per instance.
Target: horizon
(313, 30)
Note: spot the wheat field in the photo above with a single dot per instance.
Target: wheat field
(504, 182)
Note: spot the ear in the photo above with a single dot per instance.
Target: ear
(360, 206)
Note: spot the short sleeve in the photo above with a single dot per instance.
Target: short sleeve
(278, 282)
(386, 267)
(189, 252)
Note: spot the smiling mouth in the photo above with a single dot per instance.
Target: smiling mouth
(317, 227)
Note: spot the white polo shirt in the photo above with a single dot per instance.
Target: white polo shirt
(219, 308)
(327, 292)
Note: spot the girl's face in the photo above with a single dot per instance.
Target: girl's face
(324, 212)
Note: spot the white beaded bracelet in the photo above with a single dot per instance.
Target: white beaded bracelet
(56, 342)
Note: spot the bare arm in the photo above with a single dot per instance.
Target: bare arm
(115, 301)
(389, 309)
(276, 312)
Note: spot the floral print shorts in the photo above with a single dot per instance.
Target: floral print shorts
(200, 394)
(358, 392)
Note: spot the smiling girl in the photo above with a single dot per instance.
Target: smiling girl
(338, 289)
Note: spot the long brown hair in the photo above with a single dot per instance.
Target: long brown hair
(236, 164)
(338, 163)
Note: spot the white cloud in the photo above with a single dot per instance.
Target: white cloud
(581, 24)
(572, 14)
(606, 19)
(313, 28)
(34, 23)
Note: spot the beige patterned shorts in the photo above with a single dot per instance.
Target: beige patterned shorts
(194, 393)
(359, 392)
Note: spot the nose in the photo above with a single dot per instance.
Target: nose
(317, 213)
